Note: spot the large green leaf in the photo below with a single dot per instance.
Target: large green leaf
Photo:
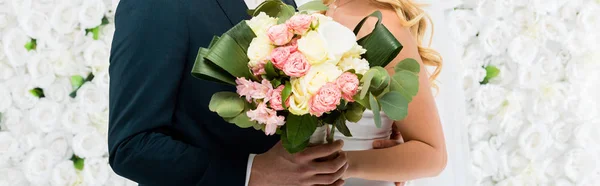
(340, 125)
(286, 12)
(382, 47)
(203, 69)
(285, 93)
(270, 70)
(230, 56)
(289, 146)
(300, 128)
(408, 64)
(354, 112)
(242, 120)
(269, 7)
(376, 111)
(227, 104)
(395, 105)
(406, 83)
(316, 5)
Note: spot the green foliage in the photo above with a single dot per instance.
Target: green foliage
(31, 45)
(242, 120)
(382, 46)
(376, 110)
(227, 104)
(408, 64)
(285, 93)
(274, 8)
(340, 124)
(37, 92)
(490, 72)
(77, 81)
(289, 146)
(316, 5)
(78, 162)
(395, 105)
(406, 83)
(299, 129)
(354, 112)
(380, 81)
(270, 70)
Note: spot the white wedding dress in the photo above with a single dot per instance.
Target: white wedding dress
(450, 103)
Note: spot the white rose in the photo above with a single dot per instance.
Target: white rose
(570, 10)
(100, 121)
(20, 90)
(31, 140)
(534, 141)
(477, 132)
(74, 119)
(588, 17)
(530, 76)
(91, 13)
(523, 50)
(507, 76)
(485, 157)
(64, 174)
(563, 182)
(523, 18)
(261, 23)
(493, 37)
(96, 171)
(472, 79)
(59, 90)
(59, 144)
(578, 42)
(554, 29)
(63, 63)
(35, 24)
(561, 133)
(489, 98)
(11, 121)
(91, 98)
(12, 177)
(314, 47)
(5, 98)
(45, 115)
(319, 75)
(64, 18)
(41, 71)
(580, 163)
(14, 41)
(102, 79)
(38, 166)
(355, 52)
(7, 19)
(45, 5)
(108, 33)
(260, 48)
(337, 37)
(546, 6)
(9, 146)
(516, 163)
(116, 180)
(493, 9)
(89, 144)
(587, 135)
(6, 71)
(359, 65)
(510, 182)
(96, 56)
(465, 24)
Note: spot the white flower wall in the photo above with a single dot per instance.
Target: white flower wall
(531, 82)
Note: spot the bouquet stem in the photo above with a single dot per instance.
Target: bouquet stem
(323, 135)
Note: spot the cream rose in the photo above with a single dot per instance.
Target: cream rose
(313, 46)
(300, 97)
(261, 23)
(360, 66)
(319, 75)
(260, 48)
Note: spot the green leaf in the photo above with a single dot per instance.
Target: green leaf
(340, 125)
(90, 77)
(381, 45)
(78, 162)
(363, 102)
(408, 64)
(316, 5)
(270, 69)
(286, 12)
(289, 146)
(226, 104)
(96, 33)
(104, 21)
(285, 93)
(229, 56)
(37, 92)
(375, 109)
(490, 72)
(395, 105)
(381, 80)
(269, 7)
(300, 128)
(406, 83)
(203, 69)
(31, 45)
(366, 80)
(242, 120)
(76, 81)
(276, 82)
(354, 112)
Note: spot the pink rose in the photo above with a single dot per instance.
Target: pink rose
(259, 69)
(254, 90)
(348, 84)
(279, 56)
(275, 101)
(299, 23)
(266, 116)
(280, 34)
(326, 99)
(297, 65)
(293, 45)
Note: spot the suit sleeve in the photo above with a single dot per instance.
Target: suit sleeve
(148, 55)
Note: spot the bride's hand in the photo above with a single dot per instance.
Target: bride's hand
(395, 139)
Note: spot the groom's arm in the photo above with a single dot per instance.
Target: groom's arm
(148, 55)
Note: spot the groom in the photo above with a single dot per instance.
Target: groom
(161, 131)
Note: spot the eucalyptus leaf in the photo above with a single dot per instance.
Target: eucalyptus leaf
(226, 104)
(242, 120)
(300, 128)
(381, 80)
(316, 5)
(406, 83)
(354, 112)
(395, 105)
(285, 93)
(408, 64)
(376, 110)
(366, 80)
(363, 102)
(287, 11)
(340, 125)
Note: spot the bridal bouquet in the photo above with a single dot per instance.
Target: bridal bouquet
(296, 72)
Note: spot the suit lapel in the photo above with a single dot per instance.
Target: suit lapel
(236, 9)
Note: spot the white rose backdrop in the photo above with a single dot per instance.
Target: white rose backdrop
(533, 121)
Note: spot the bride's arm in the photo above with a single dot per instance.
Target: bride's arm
(424, 152)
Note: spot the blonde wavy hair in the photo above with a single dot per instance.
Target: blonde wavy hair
(412, 16)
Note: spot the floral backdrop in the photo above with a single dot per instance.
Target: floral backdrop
(530, 79)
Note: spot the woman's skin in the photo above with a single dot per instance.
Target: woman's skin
(423, 153)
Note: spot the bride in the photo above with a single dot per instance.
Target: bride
(424, 151)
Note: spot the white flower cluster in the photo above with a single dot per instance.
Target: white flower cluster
(531, 82)
(53, 114)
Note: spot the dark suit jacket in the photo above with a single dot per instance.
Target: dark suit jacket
(161, 131)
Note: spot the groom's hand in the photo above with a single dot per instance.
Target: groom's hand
(278, 167)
